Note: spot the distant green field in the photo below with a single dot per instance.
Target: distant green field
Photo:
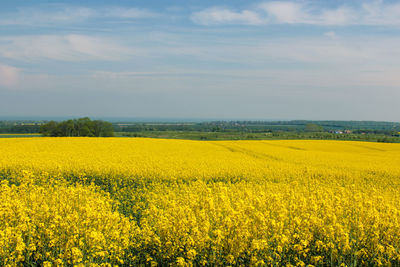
(194, 135)
(19, 135)
(236, 135)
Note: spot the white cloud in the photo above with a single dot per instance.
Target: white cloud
(313, 13)
(284, 12)
(378, 13)
(62, 47)
(215, 16)
(8, 76)
(338, 16)
(62, 14)
(317, 61)
(32, 16)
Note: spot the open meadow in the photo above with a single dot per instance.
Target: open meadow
(132, 201)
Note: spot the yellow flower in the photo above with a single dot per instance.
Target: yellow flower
(138, 201)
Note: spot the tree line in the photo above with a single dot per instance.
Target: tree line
(262, 126)
(78, 127)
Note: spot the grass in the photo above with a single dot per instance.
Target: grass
(237, 135)
(11, 135)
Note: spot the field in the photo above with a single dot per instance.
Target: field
(278, 135)
(14, 135)
(139, 201)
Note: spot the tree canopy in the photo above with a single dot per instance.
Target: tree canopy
(312, 127)
(78, 127)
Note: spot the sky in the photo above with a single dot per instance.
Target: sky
(220, 59)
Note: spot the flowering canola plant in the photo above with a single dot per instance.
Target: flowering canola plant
(138, 201)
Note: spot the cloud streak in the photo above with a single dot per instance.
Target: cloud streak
(218, 15)
(373, 12)
(310, 13)
(63, 14)
(70, 47)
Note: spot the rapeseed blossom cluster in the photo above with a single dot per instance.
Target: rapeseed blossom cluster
(58, 224)
(116, 201)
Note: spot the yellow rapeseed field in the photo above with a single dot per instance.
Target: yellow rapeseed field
(122, 201)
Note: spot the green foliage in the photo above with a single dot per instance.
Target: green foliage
(312, 127)
(376, 127)
(276, 135)
(78, 127)
(373, 131)
(13, 127)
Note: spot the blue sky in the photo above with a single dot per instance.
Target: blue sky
(201, 59)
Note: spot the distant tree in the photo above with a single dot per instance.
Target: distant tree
(102, 128)
(78, 127)
(82, 127)
(49, 129)
(312, 127)
(66, 128)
